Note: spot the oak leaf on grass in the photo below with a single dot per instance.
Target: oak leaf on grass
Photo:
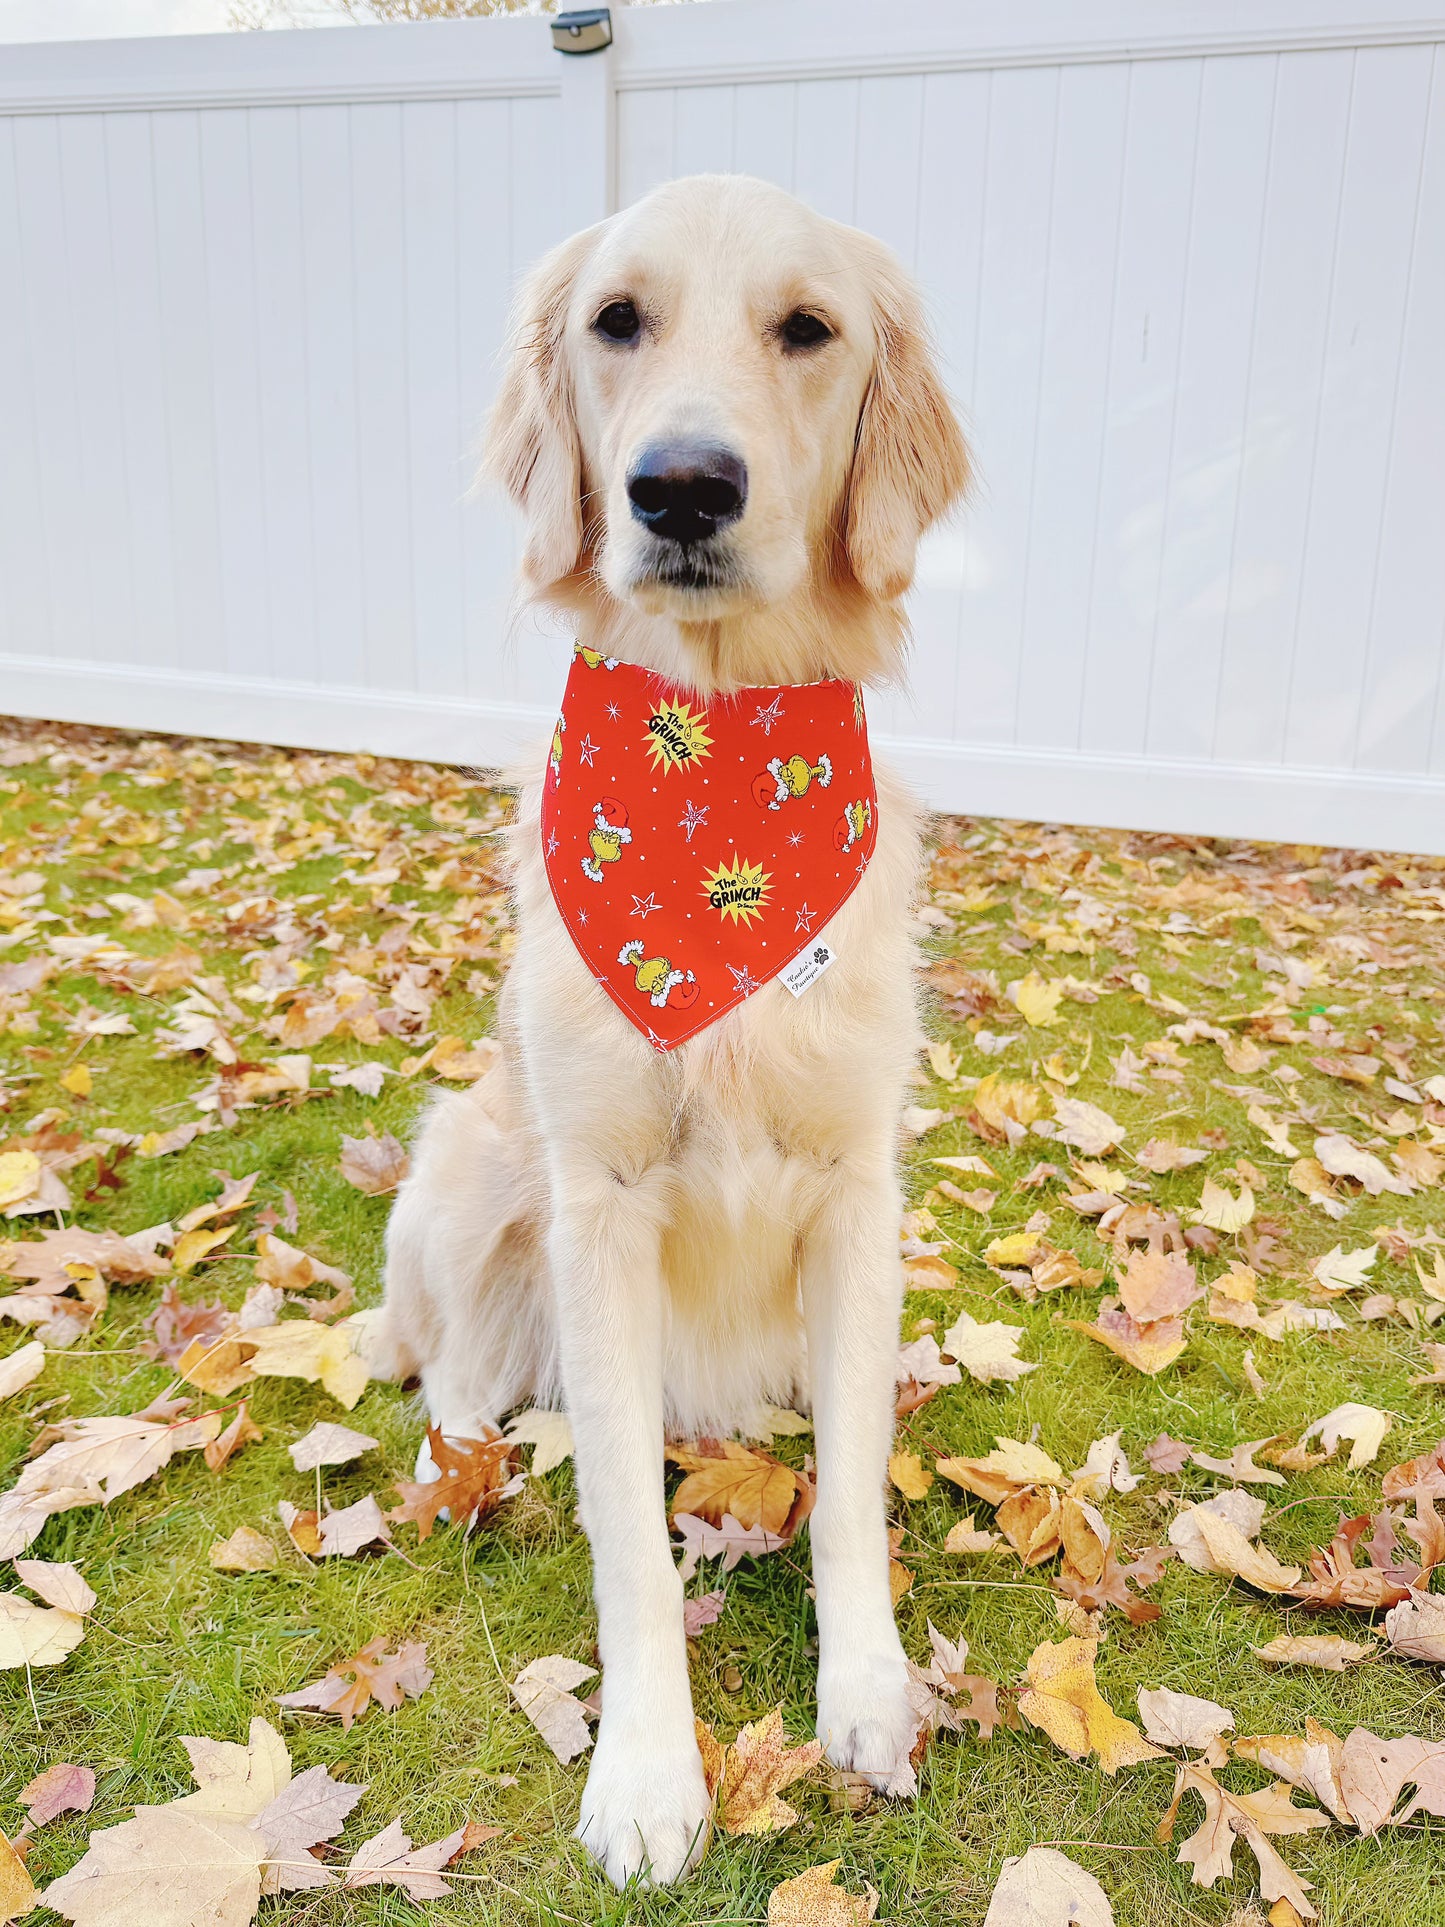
(1252, 1817)
(349, 1687)
(473, 1479)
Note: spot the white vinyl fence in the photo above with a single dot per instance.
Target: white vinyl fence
(1185, 259)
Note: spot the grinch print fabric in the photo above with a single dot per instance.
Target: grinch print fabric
(697, 846)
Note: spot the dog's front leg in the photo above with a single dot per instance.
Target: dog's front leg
(851, 1295)
(645, 1807)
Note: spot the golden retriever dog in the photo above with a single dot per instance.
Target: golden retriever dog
(660, 1240)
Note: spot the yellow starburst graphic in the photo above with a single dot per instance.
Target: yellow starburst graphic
(739, 890)
(678, 738)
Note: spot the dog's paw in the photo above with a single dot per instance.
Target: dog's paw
(645, 1810)
(868, 1719)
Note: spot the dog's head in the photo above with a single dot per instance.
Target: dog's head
(715, 398)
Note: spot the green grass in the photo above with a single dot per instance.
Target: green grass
(177, 1648)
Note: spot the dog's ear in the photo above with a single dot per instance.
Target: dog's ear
(910, 461)
(532, 446)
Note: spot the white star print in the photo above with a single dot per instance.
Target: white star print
(613, 711)
(551, 843)
(587, 749)
(806, 920)
(695, 818)
(644, 906)
(768, 714)
(581, 916)
(743, 980)
(795, 837)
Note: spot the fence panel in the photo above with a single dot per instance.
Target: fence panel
(1184, 266)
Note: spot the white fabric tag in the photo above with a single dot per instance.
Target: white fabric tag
(806, 969)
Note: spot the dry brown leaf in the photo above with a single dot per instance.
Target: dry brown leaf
(752, 1487)
(543, 1690)
(1326, 1651)
(1312, 1762)
(1249, 1816)
(964, 1537)
(1010, 1467)
(375, 1165)
(329, 1444)
(349, 1687)
(473, 1479)
(1231, 1553)
(241, 1431)
(1044, 1888)
(1416, 1627)
(1060, 1696)
(1031, 1520)
(61, 1788)
(1240, 1465)
(1181, 1720)
(760, 1762)
(18, 1893)
(21, 1368)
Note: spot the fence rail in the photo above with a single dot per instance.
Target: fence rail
(1185, 263)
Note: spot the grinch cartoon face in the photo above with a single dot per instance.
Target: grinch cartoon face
(783, 780)
(657, 979)
(853, 825)
(594, 658)
(606, 837)
(554, 759)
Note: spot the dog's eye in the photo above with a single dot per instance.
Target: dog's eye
(804, 330)
(618, 321)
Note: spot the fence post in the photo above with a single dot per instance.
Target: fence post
(589, 124)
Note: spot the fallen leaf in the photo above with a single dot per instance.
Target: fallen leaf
(349, 1687)
(245, 1551)
(1061, 1697)
(1362, 1424)
(308, 1810)
(698, 1614)
(241, 1431)
(1167, 1456)
(550, 1436)
(752, 1487)
(760, 1762)
(1240, 1465)
(32, 1635)
(930, 1273)
(59, 1789)
(727, 1541)
(390, 1857)
(1181, 1720)
(1416, 1627)
(1341, 1271)
(1327, 1651)
(1086, 1127)
(329, 1444)
(543, 1691)
(1036, 999)
(374, 1165)
(1228, 1550)
(813, 1899)
(472, 1481)
(986, 1352)
(964, 1537)
(1312, 1762)
(57, 1584)
(1105, 1469)
(1373, 1773)
(300, 1348)
(168, 1868)
(1007, 1469)
(1249, 1816)
(1044, 1888)
(1223, 1212)
(906, 1471)
(18, 1893)
(21, 1368)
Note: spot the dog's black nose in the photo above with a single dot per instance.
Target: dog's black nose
(687, 491)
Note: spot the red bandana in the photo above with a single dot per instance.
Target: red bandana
(697, 848)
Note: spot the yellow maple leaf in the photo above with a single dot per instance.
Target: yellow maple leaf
(907, 1472)
(1037, 999)
(1061, 1696)
(301, 1348)
(192, 1246)
(813, 1899)
(759, 1764)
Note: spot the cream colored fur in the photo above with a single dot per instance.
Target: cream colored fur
(662, 1240)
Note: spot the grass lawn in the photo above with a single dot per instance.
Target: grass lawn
(277, 869)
